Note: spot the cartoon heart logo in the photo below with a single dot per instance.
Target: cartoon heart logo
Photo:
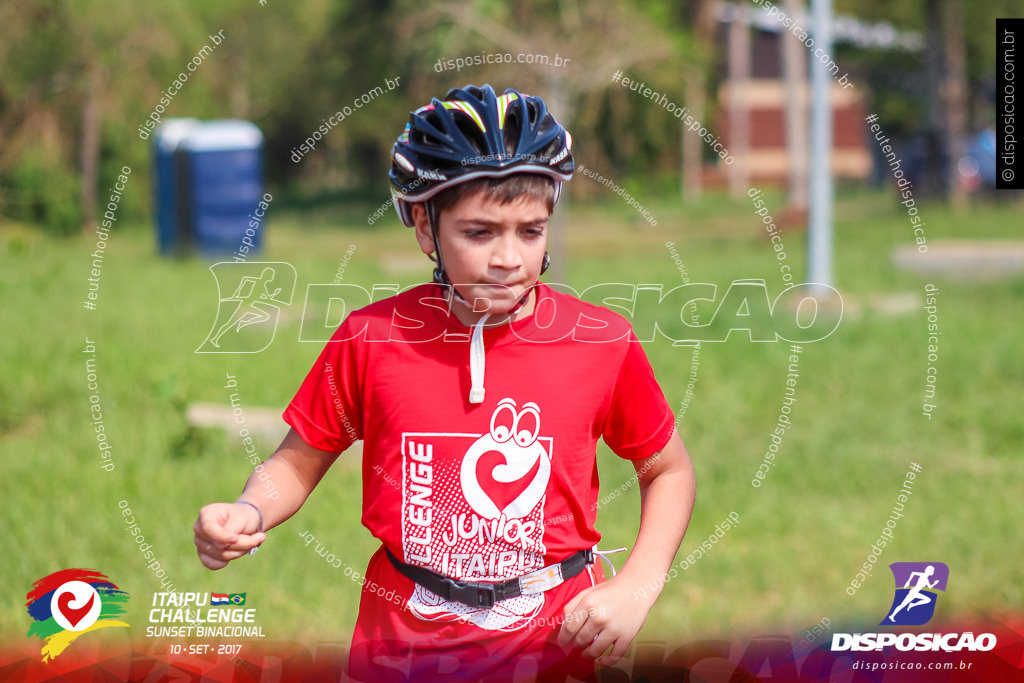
(75, 605)
(506, 470)
(72, 614)
(502, 493)
(504, 479)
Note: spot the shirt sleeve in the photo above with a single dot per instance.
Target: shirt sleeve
(327, 409)
(639, 422)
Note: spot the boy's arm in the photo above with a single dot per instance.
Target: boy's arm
(611, 613)
(227, 531)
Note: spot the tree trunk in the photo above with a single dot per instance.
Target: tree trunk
(739, 111)
(696, 88)
(955, 96)
(795, 74)
(693, 166)
(90, 149)
(932, 147)
(239, 86)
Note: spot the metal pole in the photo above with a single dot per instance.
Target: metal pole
(819, 232)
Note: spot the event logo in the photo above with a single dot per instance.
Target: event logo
(258, 291)
(916, 583)
(68, 603)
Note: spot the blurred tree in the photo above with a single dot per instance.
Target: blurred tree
(82, 76)
(36, 164)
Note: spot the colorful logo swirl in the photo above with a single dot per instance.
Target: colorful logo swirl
(68, 603)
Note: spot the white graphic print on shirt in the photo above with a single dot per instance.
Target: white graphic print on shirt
(473, 509)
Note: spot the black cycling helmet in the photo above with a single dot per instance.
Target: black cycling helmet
(473, 133)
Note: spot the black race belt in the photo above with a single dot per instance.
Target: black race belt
(485, 594)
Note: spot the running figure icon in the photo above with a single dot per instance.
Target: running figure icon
(259, 290)
(915, 597)
(250, 310)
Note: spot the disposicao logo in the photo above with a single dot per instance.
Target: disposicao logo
(916, 583)
(913, 605)
(68, 603)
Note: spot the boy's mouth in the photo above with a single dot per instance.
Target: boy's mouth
(511, 286)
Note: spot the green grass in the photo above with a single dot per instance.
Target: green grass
(802, 535)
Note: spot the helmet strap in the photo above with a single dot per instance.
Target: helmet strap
(440, 277)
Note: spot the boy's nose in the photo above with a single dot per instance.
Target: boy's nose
(506, 255)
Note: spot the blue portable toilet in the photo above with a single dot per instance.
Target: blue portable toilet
(170, 235)
(983, 149)
(220, 166)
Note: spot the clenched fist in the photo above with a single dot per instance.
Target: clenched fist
(225, 532)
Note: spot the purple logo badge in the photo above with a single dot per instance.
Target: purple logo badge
(916, 586)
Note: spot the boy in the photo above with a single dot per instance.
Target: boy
(483, 410)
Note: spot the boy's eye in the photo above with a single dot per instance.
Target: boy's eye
(532, 231)
(535, 231)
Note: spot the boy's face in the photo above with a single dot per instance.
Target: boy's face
(492, 252)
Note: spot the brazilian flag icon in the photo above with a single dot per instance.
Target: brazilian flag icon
(237, 598)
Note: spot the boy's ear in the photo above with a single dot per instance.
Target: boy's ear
(422, 227)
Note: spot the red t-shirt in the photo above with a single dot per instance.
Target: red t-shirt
(479, 491)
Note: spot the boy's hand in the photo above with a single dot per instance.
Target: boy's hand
(610, 613)
(225, 532)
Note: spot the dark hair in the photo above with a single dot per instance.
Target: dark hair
(503, 190)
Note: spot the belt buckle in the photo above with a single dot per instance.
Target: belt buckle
(540, 580)
(485, 597)
(469, 594)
